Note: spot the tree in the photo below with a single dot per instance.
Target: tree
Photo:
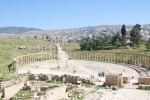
(106, 40)
(47, 37)
(123, 41)
(100, 42)
(148, 44)
(123, 30)
(88, 44)
(117, 43)
(116, 40)
(83, 44)
(136, 37)
(35, 37)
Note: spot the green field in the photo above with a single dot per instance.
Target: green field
(142, 49)
(8, 50)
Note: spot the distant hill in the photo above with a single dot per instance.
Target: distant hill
(16, 30)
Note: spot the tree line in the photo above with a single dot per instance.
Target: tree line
(117, 40)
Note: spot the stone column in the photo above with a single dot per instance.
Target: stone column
(107, 56)
(88, 56)
(96, 56)
(74, 54)
(15, 66)
(92, 54)
(149, 62)
(100, 56)
(140, 70)
(79, 55)
(46, 56)
(38, 57)
(27, 59)
(146, 61)
(83, 56)
(23, 60)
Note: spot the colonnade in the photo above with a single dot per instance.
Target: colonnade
(31, 58)
(118, 57)
(27, 47)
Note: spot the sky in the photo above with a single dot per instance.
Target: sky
(63, 14)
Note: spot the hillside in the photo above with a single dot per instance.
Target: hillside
(16, 30)
(71, 33)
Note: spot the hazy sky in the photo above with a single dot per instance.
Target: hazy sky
(61, 14)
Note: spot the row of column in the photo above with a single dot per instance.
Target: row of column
(36, 47)
(27, 59)
(118, 57)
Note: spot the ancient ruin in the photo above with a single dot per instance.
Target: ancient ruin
(27, 47)
(65, 76)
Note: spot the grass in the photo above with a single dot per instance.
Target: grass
(8, 76)
(27, 92)
(99, 87)
(1, 90)
(147, 88)
(73, 46)
(8, 51)
(142, 49)
(55, 82)
(122, 86)
(76, 96)
(27, 97)
(88, 85)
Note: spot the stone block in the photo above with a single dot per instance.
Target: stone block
(57, 78)
(113, 79)
(69, 88)
(120, 81)
(71, 79)
(144, 80)
(126, 79)
(43, 88)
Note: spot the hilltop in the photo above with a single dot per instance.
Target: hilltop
(16, 30)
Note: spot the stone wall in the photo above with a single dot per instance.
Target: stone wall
(112, 79)
(27, 47)
(71, 79)
(54, 94)
(126, 79)
(61, 78)
(12, 90)
(144, 80)
(20, 79)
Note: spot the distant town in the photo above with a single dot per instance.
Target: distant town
(69, 35)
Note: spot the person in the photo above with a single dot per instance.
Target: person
(93, 77)
(121, 74)
(103, 74)
(99, 74)
(74, 71)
